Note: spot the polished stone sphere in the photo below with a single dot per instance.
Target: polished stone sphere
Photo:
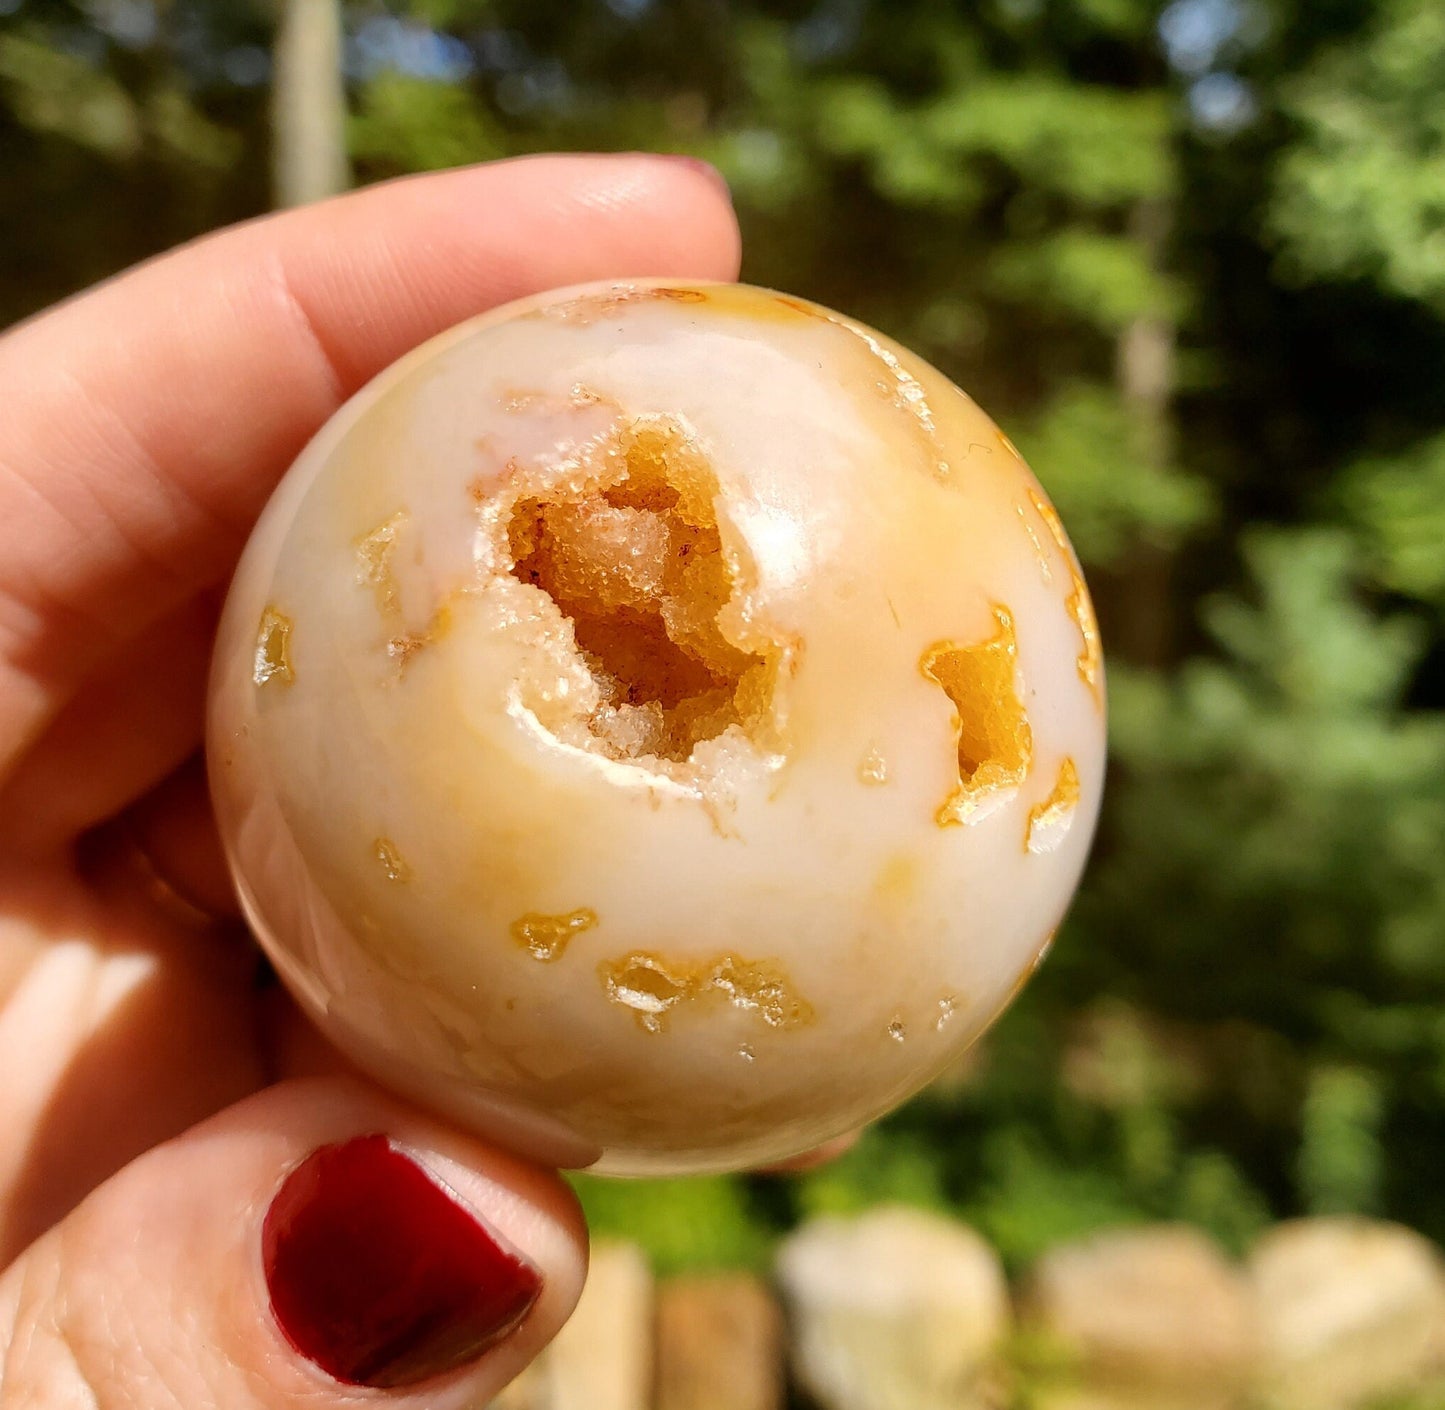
(658, 725)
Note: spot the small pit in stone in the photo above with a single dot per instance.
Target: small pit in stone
(995, 739)
(638, 567)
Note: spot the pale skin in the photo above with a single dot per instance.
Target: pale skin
(152, 1096)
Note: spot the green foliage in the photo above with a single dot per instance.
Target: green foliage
(1029, 1200)
(1100, 1134)
(1127, 20)
(1341, 1158)
(1430, 1398)
(183, 134)
(1086, 449)
(681, 1224)
(1399, 503)
(1103, 280)
(891, 1169)
(60, 93)
(1284, 792)
(65, 96)
(906, 159)
(1098, 146)
(1362, 195)
(1214, 1194)
(404, 124)
(1283, 785)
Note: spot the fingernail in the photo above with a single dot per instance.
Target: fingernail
(379, 1275)
(704, 169)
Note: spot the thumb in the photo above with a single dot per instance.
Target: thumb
(315, 1239)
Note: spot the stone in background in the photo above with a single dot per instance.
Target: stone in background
(1143, 1319)
(1348, 1309)
(894, 1310)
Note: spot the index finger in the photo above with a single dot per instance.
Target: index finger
(146, 422)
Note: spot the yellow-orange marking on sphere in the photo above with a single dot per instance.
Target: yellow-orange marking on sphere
(546, 937)
(652, 985)
(995, 740)
(1079, 604)
(273, 650)
(1049, 822)
(393, 864)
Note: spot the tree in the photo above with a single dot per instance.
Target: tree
(308, 104)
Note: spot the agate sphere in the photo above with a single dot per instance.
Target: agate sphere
(657, 725)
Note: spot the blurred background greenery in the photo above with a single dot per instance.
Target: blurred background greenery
(1192, 256)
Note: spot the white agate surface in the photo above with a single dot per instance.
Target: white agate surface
(657, 725)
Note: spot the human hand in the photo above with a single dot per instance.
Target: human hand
(153, 1100)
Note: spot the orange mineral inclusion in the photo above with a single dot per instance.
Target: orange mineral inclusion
(652, 985)
(1080, 605)
(1050, 820)
(393, 865)
(376, 570)
(546, 937)
(273, 650)
(995, 740)
(637, 567)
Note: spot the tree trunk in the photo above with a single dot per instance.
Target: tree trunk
(1144, 370)
(308, 104)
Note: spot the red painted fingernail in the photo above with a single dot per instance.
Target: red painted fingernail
(379, 1275)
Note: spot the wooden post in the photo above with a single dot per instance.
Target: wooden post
(719, 1345)
(603, 1358)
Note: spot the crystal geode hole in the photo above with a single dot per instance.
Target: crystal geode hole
(637, 566)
